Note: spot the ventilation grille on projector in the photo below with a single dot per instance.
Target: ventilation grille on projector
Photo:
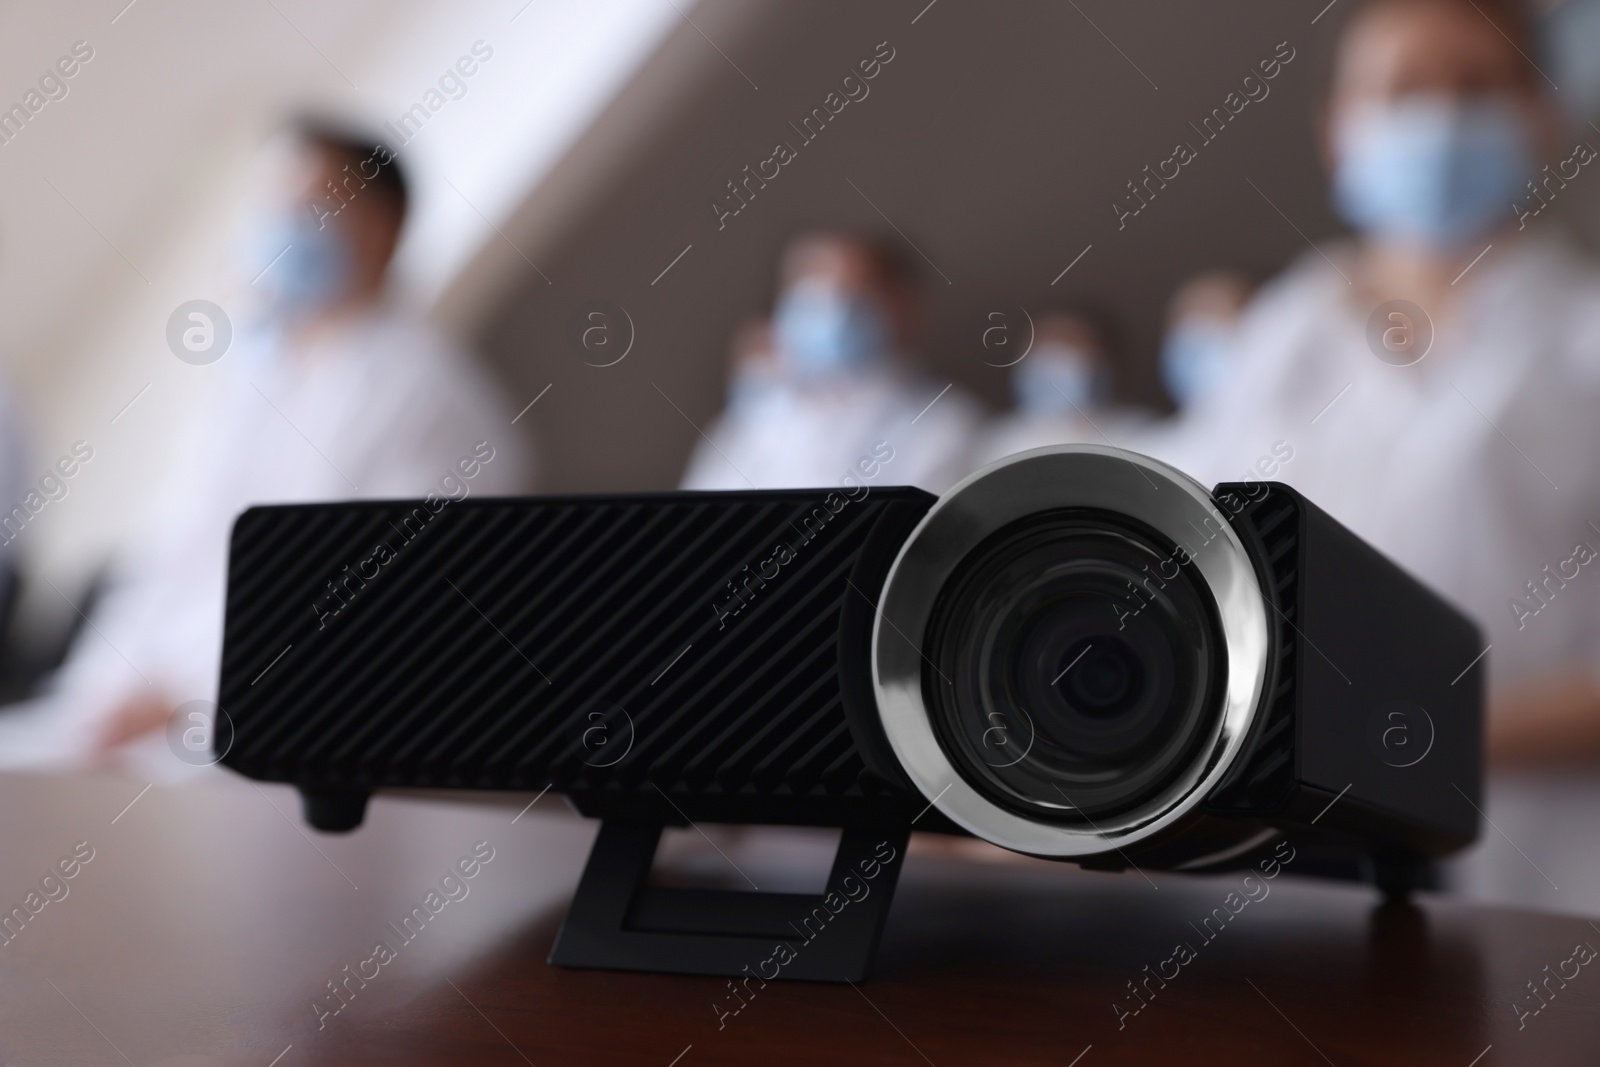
(517, 644)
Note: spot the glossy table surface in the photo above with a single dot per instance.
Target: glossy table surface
(207, 924)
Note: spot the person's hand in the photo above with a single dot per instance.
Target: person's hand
(136, 716)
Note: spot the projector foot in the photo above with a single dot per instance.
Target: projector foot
(618, 922)
(334, 810)
(1398, 875)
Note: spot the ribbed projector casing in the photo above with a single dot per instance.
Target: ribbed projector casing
(591, 644)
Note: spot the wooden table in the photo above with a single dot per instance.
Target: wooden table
(209, 922)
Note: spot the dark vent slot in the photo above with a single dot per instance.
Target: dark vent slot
(1265, 782)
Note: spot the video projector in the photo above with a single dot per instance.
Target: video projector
(1077, 653)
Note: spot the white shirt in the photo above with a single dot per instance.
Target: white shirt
(1474, 468)
(383, 407)
(802, 437)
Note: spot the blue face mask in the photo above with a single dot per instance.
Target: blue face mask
(1432, 170)
(1054, 380)
(1195, 357)
(313, 273)
(821, 332)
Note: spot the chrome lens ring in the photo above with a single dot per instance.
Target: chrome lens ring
(1065, 476)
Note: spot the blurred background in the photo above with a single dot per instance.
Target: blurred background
(586, 216)
(584, 157)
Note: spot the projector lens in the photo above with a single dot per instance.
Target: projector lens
(1075, 665)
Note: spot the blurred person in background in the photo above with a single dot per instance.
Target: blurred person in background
(333, 391)
(1456, 431)
(847, 387)
(1200, 349)
(1064, 390)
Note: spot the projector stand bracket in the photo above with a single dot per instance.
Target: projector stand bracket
(619, 922)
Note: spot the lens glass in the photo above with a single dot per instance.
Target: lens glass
(1074, 665)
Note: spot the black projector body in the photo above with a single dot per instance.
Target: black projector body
(1234, 668)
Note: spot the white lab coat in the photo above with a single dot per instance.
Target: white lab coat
(1474, 469)
(384, 407)
(800, 437)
